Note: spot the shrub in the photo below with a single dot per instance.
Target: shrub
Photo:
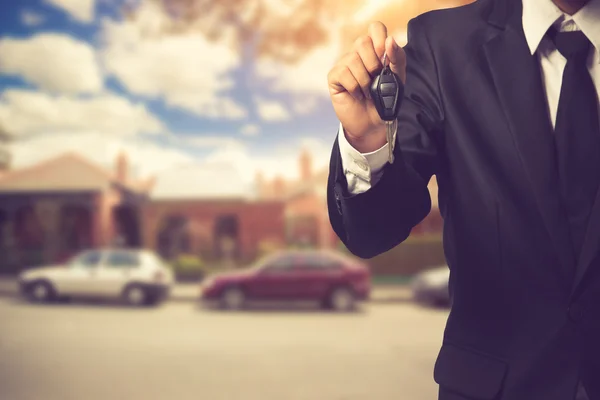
(188, 267)
(410, 257)
(415, 254)
(266, 247)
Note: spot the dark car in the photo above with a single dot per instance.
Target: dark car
(431, 287)
(335, 281)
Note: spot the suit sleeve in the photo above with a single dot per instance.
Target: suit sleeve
(362, 170)
(382, 217)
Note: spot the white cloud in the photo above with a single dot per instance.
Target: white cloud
(31, 19)
(146, 157)
(250, 130)
(25, 112)
(207, 105)
(80, 10)
(307, 76)
(203, 141)
(187, 70)
(270, 110)
(305, 104)
(282, 161)
(54, 62)
(282, 8)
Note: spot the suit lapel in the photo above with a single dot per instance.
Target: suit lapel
(517, 78)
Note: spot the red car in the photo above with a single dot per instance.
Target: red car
(335, 281)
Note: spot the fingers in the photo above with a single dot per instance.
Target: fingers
(361, 74)
(342, 79)
(391, 49)
(397, 57)
(356, 70)
(364, 63)
(378, 33)
(366, 50)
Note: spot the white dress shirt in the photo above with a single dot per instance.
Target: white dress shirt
(363, 170)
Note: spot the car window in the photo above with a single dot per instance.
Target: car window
(89, 259)
(316, 261)
(280, 263)
(120, 259)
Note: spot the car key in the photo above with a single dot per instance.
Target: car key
(387, 91)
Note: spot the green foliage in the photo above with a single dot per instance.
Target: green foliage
(266, 247)
(189, 267)
(410, 257)
(415, 254)
(188, 262)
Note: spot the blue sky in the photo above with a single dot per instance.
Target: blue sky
(75, 76)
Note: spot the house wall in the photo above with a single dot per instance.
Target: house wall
(47, 211)
(313, 206)
(257, 222)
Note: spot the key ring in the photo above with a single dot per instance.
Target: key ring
(384, 59)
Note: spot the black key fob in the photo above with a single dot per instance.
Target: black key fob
(387, 91)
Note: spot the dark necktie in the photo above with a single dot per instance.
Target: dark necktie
(577, 134)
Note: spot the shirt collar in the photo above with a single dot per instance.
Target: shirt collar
(540, 15)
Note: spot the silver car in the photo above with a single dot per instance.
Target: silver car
(137, 276)
(431, 287)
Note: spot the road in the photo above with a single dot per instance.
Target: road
(181, 351)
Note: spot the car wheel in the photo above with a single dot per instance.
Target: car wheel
(153, 300)
(341, 299)
(41, 292)
(233, 299)
(136, 296)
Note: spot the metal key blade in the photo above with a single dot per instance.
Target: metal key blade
(387, 92)
(389, 125)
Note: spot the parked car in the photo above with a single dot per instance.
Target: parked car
(431, 287)
(335, 281)
(139, 277)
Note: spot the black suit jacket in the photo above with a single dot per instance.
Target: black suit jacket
(525, 320)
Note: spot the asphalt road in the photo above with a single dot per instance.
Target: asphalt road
(180, 351)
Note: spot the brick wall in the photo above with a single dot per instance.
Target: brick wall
(256, 222)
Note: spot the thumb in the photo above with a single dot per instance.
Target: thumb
(397, 58)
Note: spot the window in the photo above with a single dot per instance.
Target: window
(317, 261)
(120, 259)
(89, 259)
(280, 263)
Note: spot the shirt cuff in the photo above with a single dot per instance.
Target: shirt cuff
(362, 164)
(362, 169)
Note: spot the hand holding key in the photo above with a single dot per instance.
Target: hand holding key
(350, 84)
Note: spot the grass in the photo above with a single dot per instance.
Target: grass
(391, 279)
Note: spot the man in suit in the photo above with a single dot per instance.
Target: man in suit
(501, 104)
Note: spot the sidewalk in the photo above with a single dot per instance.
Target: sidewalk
(190, 292)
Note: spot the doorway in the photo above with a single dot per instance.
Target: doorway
(173, 238)
(127, 227)
(226, 237)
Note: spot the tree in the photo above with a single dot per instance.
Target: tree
(284, 30)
